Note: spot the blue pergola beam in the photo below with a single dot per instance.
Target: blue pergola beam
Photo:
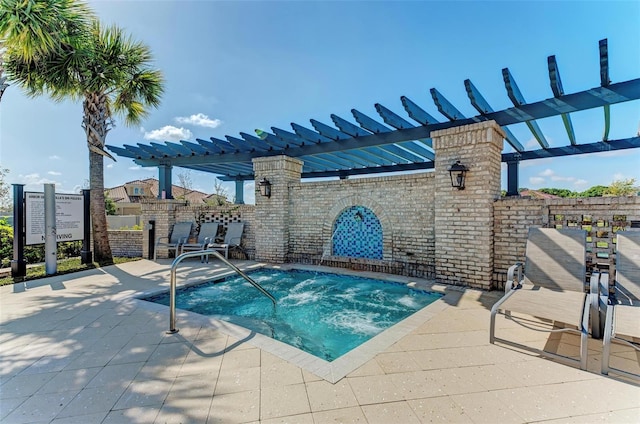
(378, 152)
(249, 144)
(367, 157)
(396, 121)
(556, 87)
(196, 148)
(402, 153)
(482, 106)
(212, 148)
(272, 142)
(416, 113)
(588, 99)
(289, 137)
(224, 145)
(415, 148)
(369, 123)
(445, 107)
(328, 131)
(308, 134)
(122, 152)
(170, 149)
(578, 149)
(150, 150)
(391, 119)
(518, 100)
(604, 82)
(347, 127)
(239, 145)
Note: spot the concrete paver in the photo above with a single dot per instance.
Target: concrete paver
(80, 348)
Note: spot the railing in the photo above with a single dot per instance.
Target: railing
(172, 290)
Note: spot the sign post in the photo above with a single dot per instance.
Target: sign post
(86, 256)
(50, 243)
(18, 264)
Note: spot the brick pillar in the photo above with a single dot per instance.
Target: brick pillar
(464, 218)
(272, 214)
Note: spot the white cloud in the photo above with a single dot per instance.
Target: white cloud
(536, 180)
(200, 120)
(54, 173)
(135, 168)
(580, 183)
(110, 166)
(54, 157)
(35, 181)
(168, 133)
(547, 173)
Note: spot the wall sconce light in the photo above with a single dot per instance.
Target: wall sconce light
(458, 173)
(265, 187)
(358, 216)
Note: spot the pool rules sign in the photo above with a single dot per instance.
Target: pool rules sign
(69, 217)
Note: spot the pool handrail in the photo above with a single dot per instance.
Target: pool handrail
(172, 289)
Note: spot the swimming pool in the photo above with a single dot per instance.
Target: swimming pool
(324, 314)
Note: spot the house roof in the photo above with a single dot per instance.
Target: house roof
(119, 193)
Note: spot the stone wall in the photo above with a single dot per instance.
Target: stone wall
(126, 243)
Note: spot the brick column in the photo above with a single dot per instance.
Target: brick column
(272, 214)
(464, 218)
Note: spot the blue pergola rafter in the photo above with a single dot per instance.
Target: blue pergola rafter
(397, 144)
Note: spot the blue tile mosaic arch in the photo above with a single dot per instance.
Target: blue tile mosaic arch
(357, 233)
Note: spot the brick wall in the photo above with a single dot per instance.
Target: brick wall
(403, 204)
(601, 217)
(126, 243)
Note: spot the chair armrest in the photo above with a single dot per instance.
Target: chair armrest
(233, 241)
(183, 240)
(162, 238)
(599, 284)
(511, 282)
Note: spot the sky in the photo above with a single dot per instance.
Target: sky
(233, 66)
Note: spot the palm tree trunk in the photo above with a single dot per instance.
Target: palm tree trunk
(95, 124)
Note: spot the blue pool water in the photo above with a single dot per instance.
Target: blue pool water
(326, 315)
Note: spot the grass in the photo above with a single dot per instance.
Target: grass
(65, 266)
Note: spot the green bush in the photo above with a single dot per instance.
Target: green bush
(32, 254)
(6, 243)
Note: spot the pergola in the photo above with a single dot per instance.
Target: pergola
(398, 143)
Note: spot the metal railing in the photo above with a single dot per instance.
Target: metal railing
(172, 290)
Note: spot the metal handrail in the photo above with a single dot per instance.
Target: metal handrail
(172, 290)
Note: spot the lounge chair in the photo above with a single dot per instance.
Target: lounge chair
(232, 239)
(180, 234)
(552, 288)
(622, 323)
(207, 234)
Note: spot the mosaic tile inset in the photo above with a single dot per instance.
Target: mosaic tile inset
(357, 233)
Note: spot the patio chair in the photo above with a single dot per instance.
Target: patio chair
(180, 234)
(622, 323)
(207, 234)
(232, 239)
(552, 289)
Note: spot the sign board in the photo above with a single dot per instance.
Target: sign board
(69, 217)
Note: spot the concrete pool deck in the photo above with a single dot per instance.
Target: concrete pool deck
(80, 348)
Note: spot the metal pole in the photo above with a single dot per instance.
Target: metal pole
(86, 255)
(50, 243)
(18, 264)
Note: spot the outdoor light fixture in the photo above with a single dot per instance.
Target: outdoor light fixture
(265, 187)
(458, 172)
(358, 216)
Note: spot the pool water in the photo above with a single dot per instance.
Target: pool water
(326, 315)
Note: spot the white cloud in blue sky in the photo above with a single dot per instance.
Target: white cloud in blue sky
(54, 173)
(199, 120)
(54, 157)
(168, 133)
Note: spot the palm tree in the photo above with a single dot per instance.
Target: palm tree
(112, 74)
(29, 28)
